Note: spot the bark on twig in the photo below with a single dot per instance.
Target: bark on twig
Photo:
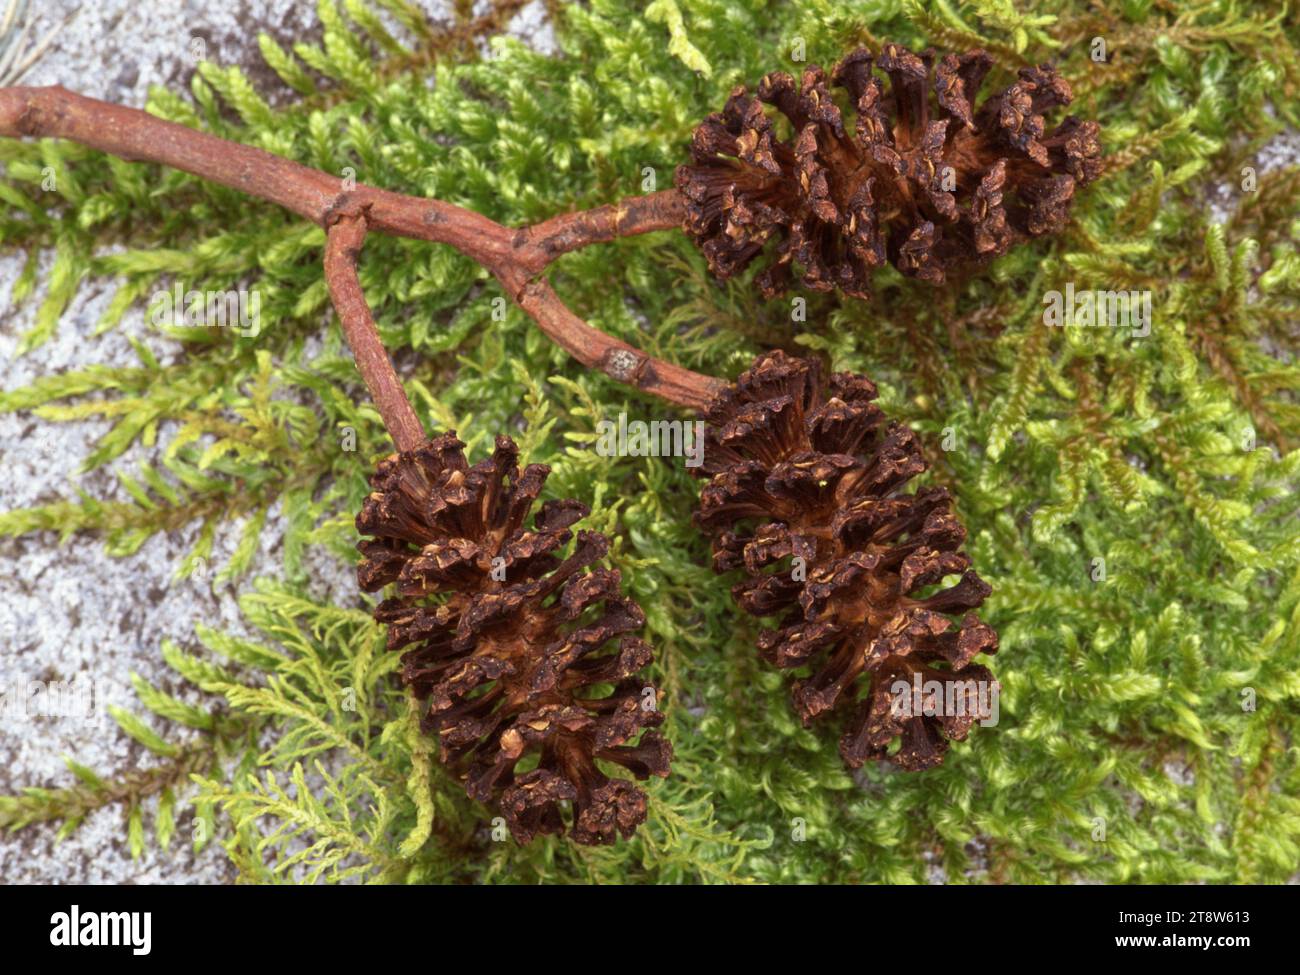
(516, 257)
(342, 245)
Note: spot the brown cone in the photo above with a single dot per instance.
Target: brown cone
(928, 185)
(806, 495)
(510, 661)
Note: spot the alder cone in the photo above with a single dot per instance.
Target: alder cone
(805, 493)
(512, 659)
(928, 187)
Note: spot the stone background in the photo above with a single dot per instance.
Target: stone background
(71, 611)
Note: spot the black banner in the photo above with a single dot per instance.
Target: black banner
(145, 924)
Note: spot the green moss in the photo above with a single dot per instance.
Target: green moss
(1123, 753)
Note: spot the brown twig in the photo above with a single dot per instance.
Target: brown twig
(516, 257)
(343, 243)
(542, 243)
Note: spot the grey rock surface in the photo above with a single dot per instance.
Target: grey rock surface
(71, 612)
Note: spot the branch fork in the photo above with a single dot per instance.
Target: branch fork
(517, 258)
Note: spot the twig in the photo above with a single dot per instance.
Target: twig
(342, 245)
(517, 258)
(542, 243)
